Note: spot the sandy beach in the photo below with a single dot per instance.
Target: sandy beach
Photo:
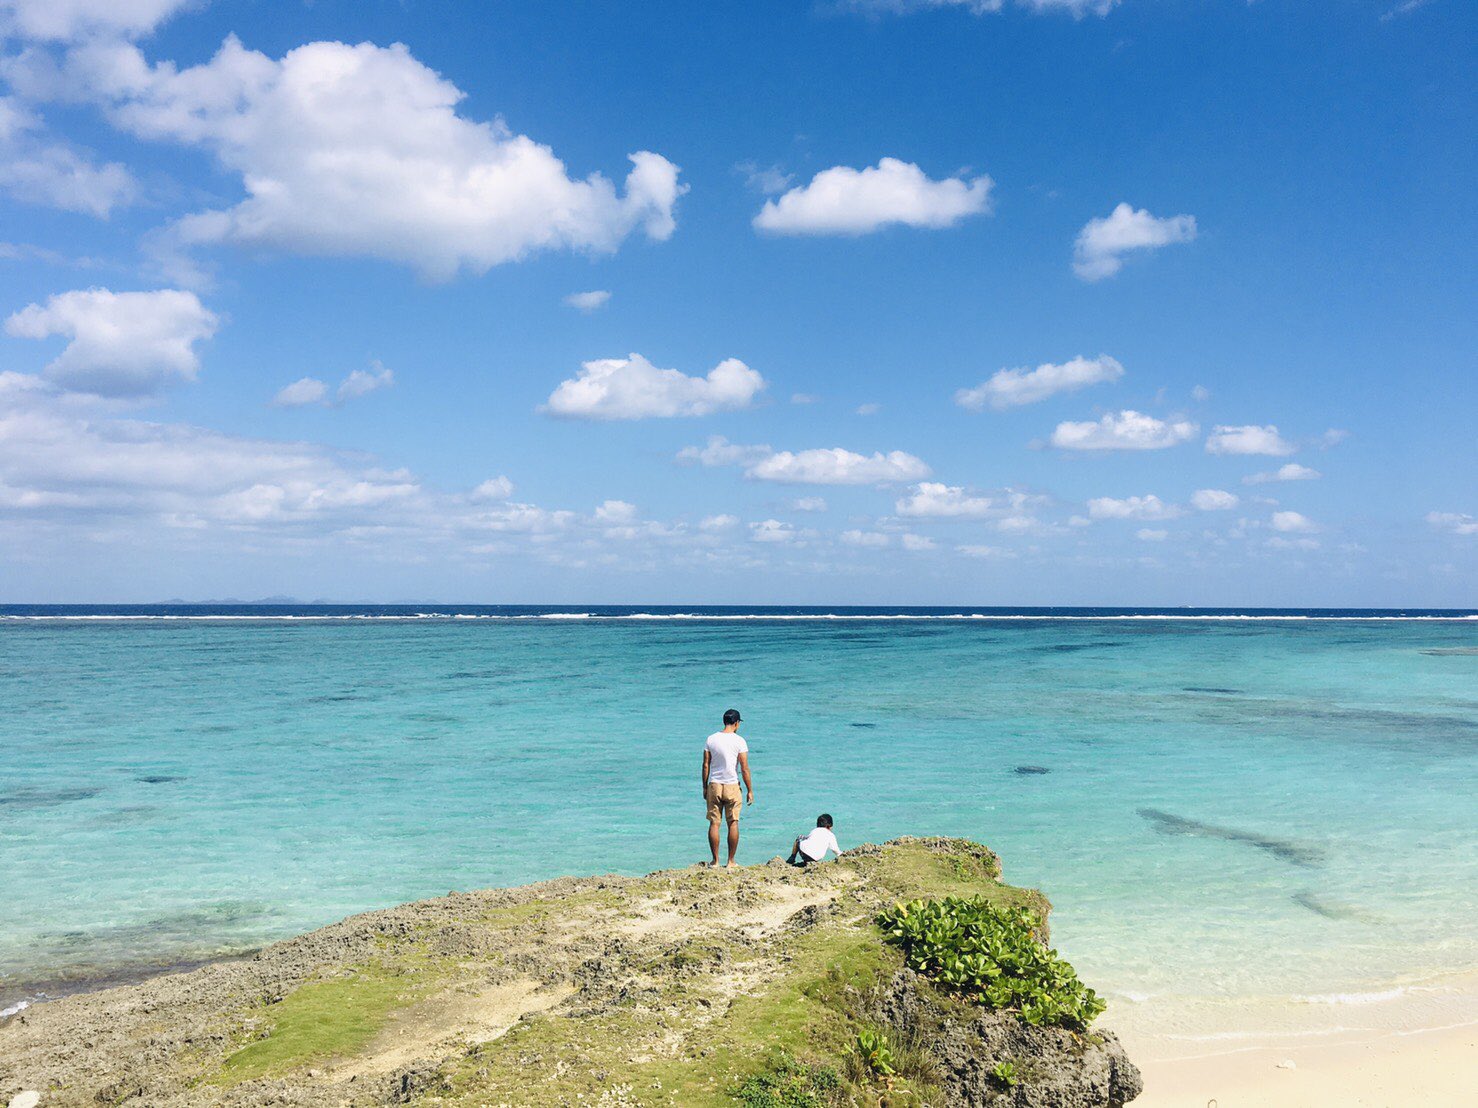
(1418, 1069)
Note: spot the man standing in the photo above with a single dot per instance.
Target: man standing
(725, 757)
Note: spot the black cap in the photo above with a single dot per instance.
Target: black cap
(731, 717)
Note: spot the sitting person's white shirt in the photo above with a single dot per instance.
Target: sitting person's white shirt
(817, 842)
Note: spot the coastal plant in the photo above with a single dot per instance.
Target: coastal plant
(788, 1083)
(1004, 1074)
(991, 956)
(876, 1052)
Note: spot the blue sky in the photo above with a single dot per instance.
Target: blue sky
(908, 301)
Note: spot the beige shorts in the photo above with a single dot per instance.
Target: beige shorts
(724, 799)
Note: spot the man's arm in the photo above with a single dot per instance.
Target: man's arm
(707, 759)
(748, 784)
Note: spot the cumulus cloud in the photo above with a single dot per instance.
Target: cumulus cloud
(769, 180)
(833, 466)
(1290, 472)
(936, 500)
(71, 20)
(38, 170)
(588, 301)
(633, 388)
(361, 382)
(1292, 522)
(808, 504)
(712, 524)
(868, 409)
(1011, 388)
(1149, 507)
(978, 551)
(1214, 500)
(360, 151)
(847, 201)
(866, 538)
(120, 343)
(301, 393)
(307, 391)
(719, 451)
(772, 530)
(616, 513)
(494, 488)
(1102, 243)
(836, 466)
(1151, 534)
(917, 542)
(1249, 439)
(1456, 522)
(1126, 430)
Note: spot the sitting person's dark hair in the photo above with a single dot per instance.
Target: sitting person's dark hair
(823, 820)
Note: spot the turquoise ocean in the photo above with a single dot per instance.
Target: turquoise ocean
(1225, 808)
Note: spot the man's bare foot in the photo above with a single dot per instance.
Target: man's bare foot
(732, 864)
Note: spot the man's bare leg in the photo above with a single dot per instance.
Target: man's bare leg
(794, 850)
(713, 841)
(733, 844)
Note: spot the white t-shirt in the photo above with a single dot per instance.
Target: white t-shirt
(724, 748)
(815, 844)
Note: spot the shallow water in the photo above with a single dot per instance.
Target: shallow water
(1230, 808)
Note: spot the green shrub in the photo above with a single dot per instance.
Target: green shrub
(877, 1052)
(991, 956)
(789, 1084)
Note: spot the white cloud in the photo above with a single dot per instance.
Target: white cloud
(312, 391)
(836, 466)
(1126, 430)
(766, 179)
(1290, 472)
(363, 381)
(1214, 500)
(936, 500)
(121, 343)
(1132, 507)
(719, 451)
(1101, 244)
(70, 20)
(359, 151)
(917, 542)
(1011, 388)
(1249, 439)
(1457, 523)
(1279, 543)
(846, 201)
(616, 513)
(588, 301)
(1076, 8)
(1292, 522)
(833, 466)
(976, 551)
(718, 523)
(1147, 534)
(494, 488)
(808, 504)
(633, 388)
(301, 393)
(55, 174)
(804, 398)
(772, 530)
(866, 538)
(1333, 437)
(1200, 394)
(868, 409)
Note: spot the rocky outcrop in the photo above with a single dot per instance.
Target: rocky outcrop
(681, 989)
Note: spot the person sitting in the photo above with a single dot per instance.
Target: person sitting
(813, 845)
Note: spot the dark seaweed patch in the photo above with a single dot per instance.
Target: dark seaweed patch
(1299, 854)
(27, 799)
(1212, 689)
(336, 698)
(864, 725)
(1453, 652)
(1031, 771)
(1334, 909)
(159, 778)
(1074, 647)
